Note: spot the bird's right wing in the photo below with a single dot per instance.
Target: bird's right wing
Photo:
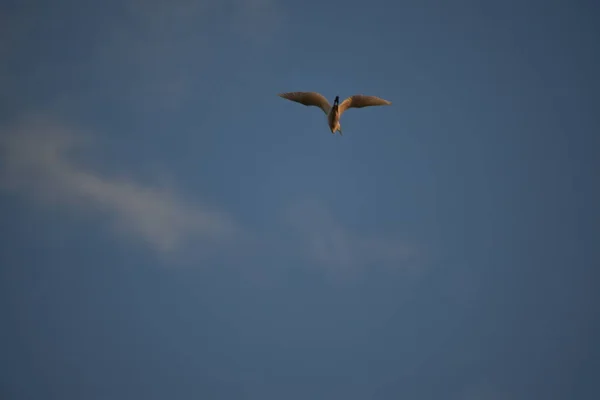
(308, 99)
(360, 101)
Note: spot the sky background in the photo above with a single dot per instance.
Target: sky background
(171, 229)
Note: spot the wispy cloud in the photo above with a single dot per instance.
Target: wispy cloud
(329, 243)
(44, 160)
(39, 162)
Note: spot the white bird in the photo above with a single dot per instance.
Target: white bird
(334, 113)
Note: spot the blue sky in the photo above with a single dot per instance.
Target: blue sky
(173, 229)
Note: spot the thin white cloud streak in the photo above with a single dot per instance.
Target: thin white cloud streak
(38, 162)
(327, 242)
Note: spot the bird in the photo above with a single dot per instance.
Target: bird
(334, 113)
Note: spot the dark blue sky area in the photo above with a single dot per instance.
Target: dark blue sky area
(174, 230)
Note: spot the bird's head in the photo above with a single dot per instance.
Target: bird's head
(336, 101)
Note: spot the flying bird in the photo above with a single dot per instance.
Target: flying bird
(334, 113)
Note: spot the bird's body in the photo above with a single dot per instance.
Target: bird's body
(333, 117)
(334, 112)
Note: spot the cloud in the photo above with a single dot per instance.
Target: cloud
(47, 161)
(39, 162)
(328, 243)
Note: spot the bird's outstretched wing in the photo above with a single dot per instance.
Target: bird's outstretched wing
(360, 101)
(308, 99)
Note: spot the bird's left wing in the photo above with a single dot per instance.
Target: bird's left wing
(308, 99)
(360, 101)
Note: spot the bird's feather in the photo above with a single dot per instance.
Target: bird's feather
(308, 99)
(360, 101)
